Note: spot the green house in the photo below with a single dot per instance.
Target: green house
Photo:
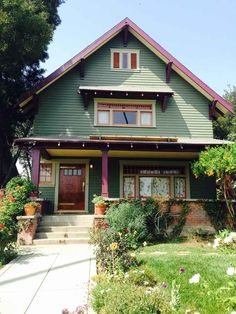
(123, 118)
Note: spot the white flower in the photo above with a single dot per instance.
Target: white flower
(146, 283)
(196, 313)
(109, 289)
(231, 271)
(234, 312)
(144, 243)
(216, 243)
(195, 278)
(126, 275)
(142, 271)
(148, 292)
(209, 244)
(228, 240)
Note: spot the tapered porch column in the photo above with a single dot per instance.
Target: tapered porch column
(104, 173)
(35, 166)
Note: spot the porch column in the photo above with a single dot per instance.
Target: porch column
(35, 165)
(104, 173)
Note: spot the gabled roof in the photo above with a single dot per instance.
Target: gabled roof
(178, 67)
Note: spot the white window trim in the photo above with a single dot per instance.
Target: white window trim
(129, 51)
(126, 102)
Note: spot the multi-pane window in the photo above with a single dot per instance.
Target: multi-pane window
(124, 59)
(154, 181)
(45, 173)
(117, 114)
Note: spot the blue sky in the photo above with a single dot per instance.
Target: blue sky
(199, 33)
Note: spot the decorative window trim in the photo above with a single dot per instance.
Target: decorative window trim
(129, 52)
(49, 183)
(119, 105)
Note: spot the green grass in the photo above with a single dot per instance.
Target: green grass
(165, 260)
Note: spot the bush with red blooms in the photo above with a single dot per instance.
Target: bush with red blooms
(16, 194)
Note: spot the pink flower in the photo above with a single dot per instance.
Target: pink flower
(2, 226)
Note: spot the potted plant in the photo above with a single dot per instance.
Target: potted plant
(100, 205)
(30, 208)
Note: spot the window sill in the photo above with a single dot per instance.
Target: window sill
(125, 70)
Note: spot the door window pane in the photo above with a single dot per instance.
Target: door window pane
(103, 117)
(45, 173)
(146, 118)
(124, 117)
(129, 186)
(125, 60)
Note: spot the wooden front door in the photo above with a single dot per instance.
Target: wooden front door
(72, 187)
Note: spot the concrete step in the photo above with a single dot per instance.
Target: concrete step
(43, 228)
(67, 218)
(87, 224)
(61, 235)
(60, 241)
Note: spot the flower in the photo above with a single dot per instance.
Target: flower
(114, 246)
(164, 285)
(216, 243)
(126, 230)
(231, 271)
(2, 226)
(181, 270)
(195, 279)
(119, 234)
(126, 275)
(144, 243)
(133, 255)
(105, 226)
(12, 199)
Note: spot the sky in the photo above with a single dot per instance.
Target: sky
(199, 33)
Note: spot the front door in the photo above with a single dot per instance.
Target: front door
(72, 187)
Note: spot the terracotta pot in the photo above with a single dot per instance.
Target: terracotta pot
(29, 210)
(100, 209)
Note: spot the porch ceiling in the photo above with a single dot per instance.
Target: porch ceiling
(123, 154)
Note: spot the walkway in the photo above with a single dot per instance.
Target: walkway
(47, 279)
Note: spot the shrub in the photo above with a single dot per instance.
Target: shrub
(226, 241)
(112, 250)
(17, 192)
(112, 295)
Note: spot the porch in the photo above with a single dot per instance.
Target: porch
(115, 168)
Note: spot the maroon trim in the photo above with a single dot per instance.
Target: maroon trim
(164, 103)
(105, 173)
(103, 39)
(35, 166)
(82, 68)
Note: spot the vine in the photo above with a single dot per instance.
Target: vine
(217, 213)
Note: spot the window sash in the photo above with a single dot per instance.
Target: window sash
(132, 111)
(154, 186)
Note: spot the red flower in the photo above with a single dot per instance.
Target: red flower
(2, 226)
(12, 199)
(105, 226)
(126, 230)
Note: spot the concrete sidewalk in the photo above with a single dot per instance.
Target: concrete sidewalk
(47, 279)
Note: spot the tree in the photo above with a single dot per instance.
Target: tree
(26, 28)
(225, 126)
(221, 163)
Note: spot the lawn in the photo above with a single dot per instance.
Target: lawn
(215, 286)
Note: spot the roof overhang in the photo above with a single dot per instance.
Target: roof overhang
(221, 104)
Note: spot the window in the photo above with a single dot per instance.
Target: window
(124, 59)
(154, 186)
(129, 187)
(180, 187)
(122, 114)
(45, 173)
(154, 181)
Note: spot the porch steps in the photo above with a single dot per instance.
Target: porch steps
(63, 229)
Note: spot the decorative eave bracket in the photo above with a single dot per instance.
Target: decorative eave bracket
(212, 109)
(81, 68)
(168, 71)
(125, 35)
(164, 103)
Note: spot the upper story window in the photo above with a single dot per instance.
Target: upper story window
(125, 59)
(131, 114)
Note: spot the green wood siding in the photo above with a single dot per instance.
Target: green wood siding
(61, 110)
(49, 194)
